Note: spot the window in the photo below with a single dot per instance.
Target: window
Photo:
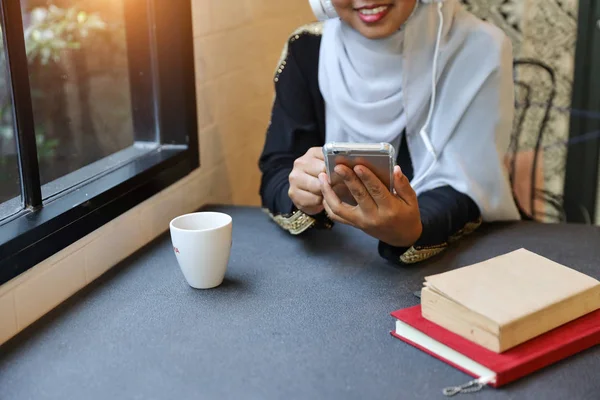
(97, 114)
(10, 189)
(581, 196)
(78, 67)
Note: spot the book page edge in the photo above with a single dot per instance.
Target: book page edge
(416, 336)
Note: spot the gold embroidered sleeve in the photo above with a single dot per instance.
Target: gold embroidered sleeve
(315, 28)
(298, 222)
(417, 254)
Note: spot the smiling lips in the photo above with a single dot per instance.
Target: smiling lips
(373, 14)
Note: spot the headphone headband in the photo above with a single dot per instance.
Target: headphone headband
(323, 9)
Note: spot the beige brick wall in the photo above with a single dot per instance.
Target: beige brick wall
(237, 45)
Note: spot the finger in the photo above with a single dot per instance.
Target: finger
(357, 188)
(310, 165)
(304, 181)
(333, 216)
(403, 188)
(304, 199)
(336, 206)
(312, 210)
(317, 152)
(315, 167)
(379, 193)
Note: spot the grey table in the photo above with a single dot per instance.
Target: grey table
(297, 318)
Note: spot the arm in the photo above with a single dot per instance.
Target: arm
(446, 215)
(293, 130)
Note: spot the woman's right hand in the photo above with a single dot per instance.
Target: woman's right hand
(305, 188)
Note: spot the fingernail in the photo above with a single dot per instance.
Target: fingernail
(398, 169)
(358, 170)
(340, 171)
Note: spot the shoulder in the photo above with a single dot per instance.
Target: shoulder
(484, 37)
(303, 46)
(314, 30)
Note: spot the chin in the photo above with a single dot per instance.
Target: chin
(380, 30)
(375, 32)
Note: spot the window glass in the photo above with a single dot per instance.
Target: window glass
(10, 200)
(79, 76)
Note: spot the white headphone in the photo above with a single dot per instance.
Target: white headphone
(324, 10)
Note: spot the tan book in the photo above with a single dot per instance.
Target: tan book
(505, 301)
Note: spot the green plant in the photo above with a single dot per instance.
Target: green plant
(52, 30)
(46, 148)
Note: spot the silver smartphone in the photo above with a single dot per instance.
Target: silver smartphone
(380, 158)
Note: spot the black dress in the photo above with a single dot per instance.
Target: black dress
(298, 123)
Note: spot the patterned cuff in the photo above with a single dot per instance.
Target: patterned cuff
(469, 228)
(298, 222)
(419, 253)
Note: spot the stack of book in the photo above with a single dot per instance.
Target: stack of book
(504, 318)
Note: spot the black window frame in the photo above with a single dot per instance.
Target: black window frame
(161, 73)
(581, 172)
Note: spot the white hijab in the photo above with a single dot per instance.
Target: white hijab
(376, 89)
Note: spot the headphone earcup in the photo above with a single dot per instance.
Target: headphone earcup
(323, 9)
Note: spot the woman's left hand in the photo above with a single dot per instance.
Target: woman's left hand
(393, 218)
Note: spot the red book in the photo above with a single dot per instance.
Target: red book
(493, 368)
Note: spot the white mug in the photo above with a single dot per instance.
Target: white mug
(202, 244)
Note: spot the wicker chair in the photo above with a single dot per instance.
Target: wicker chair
(525, 167)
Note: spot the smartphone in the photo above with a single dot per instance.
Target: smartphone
(380, 158)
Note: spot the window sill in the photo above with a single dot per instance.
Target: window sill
(32, 236)
(42, 288)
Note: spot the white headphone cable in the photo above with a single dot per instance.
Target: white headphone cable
(423, 131)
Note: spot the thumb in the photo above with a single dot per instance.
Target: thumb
(403, 188)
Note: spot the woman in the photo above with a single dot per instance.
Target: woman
(428, 77)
